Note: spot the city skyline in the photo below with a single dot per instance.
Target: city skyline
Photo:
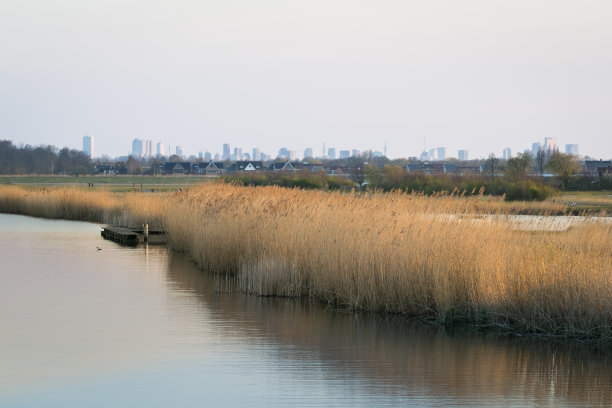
(353, 75)
(143, 148)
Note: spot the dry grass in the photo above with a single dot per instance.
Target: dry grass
(73, 203)
(397, 253)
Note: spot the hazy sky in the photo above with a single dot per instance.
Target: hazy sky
(473, 74)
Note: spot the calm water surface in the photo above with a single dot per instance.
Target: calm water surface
(127, 327)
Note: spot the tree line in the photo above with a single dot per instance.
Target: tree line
(26, 159)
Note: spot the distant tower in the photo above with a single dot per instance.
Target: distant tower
(550, 146)
(161, 149)
(462, 155)
(385, 147)
(571, 149)
(323, 149)
(137, 145)
(507, 154)
(88, 146)
(226, 151)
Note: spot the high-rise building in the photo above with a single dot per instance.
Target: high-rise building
(284, 153)
(571, 149)
(331, 153)
(207, 156)
(432, 155)
(507, 154)
(424, 155)
(308, 153)
(550, 145)
(137, 148)
(88, 146)
(148, 149)
(441, 153)
(161, 149)
(179, 151)
(237, 153)
(345, 154)
(256, 153)
(355, 153)
(535, 148)
(226, 151)
(462, 155)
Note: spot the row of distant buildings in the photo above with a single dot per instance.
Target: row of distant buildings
(217, 168)
(548, 148)
(145, 149)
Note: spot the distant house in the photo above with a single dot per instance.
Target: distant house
(591, 167)
(108, 169)
(283, 166)
(335, 170)
(426, 168)
(212, 168)
(176, 168)
(468, 169)
(245, 165)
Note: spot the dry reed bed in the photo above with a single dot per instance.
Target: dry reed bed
(73, 203)
(385, 252)
(394, 253)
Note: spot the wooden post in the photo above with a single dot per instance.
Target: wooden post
(146, 233)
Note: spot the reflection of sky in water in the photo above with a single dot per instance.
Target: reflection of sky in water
(21, 223)
(126, 327)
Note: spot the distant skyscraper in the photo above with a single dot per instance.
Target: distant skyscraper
(441, 153)
(88, 146)
(550, 145)
(571, 149)
(237, 153)
(507, 154)
(226, 151)
(256, 154)
(345, 154)
(308, 153)
(137, 147)
(179, 151)
(433, 154)
(355, 153)
(148, 149)
(284, 153)
(424, 155)
(207, 156)
(535, 148)
(161, 149)
(462, 155)
(331, 153)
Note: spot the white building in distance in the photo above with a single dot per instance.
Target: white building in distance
(462, 155)
(507, 154)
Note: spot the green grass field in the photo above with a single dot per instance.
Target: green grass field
(110, 183)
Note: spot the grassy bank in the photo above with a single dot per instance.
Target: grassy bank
(408, 254)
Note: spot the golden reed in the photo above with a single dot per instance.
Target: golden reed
(439, 257)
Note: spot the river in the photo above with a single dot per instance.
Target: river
(128, 327)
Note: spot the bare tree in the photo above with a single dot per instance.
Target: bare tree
(491, 165)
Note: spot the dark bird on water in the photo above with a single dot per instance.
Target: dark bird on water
(98, 248)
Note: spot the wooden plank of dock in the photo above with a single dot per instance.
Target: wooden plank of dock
(121, 235)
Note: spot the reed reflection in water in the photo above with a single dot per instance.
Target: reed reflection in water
(409, 357)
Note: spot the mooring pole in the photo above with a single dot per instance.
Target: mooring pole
(146, 233)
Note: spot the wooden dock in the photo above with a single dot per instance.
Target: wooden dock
(132, 236)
